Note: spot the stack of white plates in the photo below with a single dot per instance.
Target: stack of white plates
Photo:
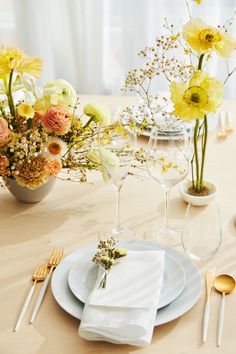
(75, 276)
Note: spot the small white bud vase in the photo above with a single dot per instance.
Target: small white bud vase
(194, 199)
(26, 195)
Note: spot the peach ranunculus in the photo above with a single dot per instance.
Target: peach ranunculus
(4, 131)
(56, 120)
(4, 163)
(52, 167)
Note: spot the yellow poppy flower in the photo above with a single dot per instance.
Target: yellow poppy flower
(25, 110)
(193, 100)
(204, 38)
(14, 58)
(198, 1)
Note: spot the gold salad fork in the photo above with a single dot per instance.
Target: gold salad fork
(55, 258)
(40, 274)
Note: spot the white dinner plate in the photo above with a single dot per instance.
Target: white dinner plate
(183, 303)
(83, 275)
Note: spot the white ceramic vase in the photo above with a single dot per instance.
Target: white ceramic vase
(26, 195)
(197, 200)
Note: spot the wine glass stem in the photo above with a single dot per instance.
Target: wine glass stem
(166, 221)
(117, 189)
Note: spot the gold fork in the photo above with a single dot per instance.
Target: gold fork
(55, 258)
(40, 274)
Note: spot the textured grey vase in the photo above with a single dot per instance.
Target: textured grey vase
(27, 195)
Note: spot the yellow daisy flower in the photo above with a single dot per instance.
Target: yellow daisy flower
(12, 58)
(193, 100)
(204, 38)
(56, 147)
(25, 110)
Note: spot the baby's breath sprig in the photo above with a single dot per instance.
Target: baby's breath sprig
(107, 256)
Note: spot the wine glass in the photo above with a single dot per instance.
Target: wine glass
(117, 146)
(167, 163)
(202, 231)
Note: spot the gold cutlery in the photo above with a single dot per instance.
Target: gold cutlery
(55, 258)
(224, 284)
(209, 279)
(40, 274)
(221, 132)
(228, 125)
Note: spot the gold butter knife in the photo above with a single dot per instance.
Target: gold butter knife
(209, 278)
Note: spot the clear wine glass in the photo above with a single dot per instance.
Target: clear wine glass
(202, 231)
(168, 164)
(117, 146)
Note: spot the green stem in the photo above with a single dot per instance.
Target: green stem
(9, 96)
(200, 62)
(197, 184)
(205, 135)
(195, 139)
(192, 170)
(88, 122)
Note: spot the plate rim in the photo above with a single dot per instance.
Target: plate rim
(150, 244)
(180, 290)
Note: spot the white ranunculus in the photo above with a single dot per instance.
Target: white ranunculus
(103, 157)
(60, 92)
(98, 113)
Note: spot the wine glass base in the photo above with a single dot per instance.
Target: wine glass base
(123, 232)
(167, 235)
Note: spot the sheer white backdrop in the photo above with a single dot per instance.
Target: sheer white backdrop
(93, 43)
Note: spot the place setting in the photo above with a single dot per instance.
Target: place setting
(121, 290)
(76, 277)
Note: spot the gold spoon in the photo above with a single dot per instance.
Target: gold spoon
(224, 284)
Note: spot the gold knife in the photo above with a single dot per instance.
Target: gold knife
(209, 278)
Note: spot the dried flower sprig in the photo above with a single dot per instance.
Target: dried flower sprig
(107, 256)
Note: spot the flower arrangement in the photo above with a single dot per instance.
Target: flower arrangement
(193, 92)
(107, 256)
(41, 131)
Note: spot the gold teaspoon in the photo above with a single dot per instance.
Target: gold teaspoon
(224, 284)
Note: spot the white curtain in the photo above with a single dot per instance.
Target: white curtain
(93, 43)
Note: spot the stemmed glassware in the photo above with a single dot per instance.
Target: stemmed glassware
(168, 164)
(117, 146)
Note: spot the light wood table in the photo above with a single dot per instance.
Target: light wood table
(71, 217)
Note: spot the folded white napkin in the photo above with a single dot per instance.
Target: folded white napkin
(125, 311)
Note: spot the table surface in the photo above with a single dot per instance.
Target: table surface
(71, 217)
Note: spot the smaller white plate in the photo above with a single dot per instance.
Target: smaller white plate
(83, 275)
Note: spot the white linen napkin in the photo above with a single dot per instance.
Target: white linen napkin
(125, 311)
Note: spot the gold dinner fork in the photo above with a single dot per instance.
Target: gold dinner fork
(40, 274)
(55, 258)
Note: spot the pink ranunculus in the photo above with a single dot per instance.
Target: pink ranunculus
(4, 131)
(56, 120)
(53, 167)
